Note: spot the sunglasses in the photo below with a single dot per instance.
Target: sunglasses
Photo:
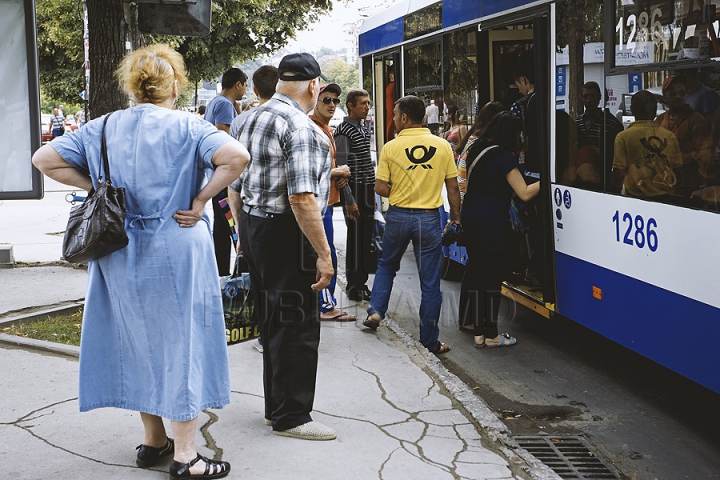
(327, 100)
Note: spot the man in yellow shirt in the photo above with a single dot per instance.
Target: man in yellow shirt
(648, 161)
(411, 172)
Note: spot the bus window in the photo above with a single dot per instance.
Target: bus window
(423, 67)
(585, 103)
(461, 73)
(681, 108)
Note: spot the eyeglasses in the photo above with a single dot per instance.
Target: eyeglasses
(327, 100)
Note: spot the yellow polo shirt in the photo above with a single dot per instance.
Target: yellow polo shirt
(416, 165)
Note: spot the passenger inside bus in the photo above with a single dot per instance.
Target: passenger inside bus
(692, 131)
(647, 161)
(596, 130)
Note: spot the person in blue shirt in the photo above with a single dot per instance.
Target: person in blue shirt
(153, 338)
(220, 111)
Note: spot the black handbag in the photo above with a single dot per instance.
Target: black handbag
(96, 227)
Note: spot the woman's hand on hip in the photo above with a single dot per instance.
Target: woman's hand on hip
(188, 218)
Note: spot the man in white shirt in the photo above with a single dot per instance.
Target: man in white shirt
(432, 117)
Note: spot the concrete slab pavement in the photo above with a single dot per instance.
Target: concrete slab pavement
(398, 413)
(394, 421)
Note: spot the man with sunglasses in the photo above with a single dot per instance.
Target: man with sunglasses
(353, 147)
(339, 175)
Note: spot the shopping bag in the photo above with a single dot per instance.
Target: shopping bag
(238, 307)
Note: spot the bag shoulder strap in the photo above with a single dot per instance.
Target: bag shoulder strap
(472, 165)
(103, 152)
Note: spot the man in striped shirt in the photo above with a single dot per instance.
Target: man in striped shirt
(352, 139)
(58, 123)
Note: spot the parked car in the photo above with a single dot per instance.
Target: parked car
(46, 127)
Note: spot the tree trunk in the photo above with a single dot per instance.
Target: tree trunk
(107, 33)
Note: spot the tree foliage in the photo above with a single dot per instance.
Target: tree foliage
(241, 30)
(342, 73)
(60, 49)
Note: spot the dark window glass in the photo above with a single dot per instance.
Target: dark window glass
(461, 72)
(367, 80)
(423, 67)
(424, 21)
(662, 31)
(652, 133)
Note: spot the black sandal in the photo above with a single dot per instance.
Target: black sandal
(371, 324)
(149, 456)
(440, 348)
(182, 470)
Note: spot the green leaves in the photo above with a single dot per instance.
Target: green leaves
(241, 30)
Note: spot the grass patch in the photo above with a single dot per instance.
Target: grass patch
(61, 329)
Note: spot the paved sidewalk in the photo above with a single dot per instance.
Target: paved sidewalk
(398, 413)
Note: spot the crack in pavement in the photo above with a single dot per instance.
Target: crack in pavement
(420, 455)
(209, 440)
(28, 429)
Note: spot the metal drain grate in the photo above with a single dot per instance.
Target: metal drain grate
(569, 457)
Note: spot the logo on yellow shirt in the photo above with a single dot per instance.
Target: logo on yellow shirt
(428, 154)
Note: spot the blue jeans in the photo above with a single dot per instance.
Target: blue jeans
(422, 227)
(327, 294)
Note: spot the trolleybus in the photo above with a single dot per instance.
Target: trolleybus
(640, 269)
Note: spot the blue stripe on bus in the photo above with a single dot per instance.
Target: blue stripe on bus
(455, 12)
(385, 35)
(675, 331)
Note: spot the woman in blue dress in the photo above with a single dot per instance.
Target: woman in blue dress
(492, 177)
(153, 336)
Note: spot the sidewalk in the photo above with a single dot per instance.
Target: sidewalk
(398, 413)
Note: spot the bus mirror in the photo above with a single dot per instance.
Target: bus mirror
(175, 17)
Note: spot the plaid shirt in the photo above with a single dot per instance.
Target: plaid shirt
(287, 157)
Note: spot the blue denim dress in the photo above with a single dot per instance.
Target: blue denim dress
(153, 335)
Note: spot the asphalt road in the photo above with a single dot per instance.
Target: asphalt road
(562, 379)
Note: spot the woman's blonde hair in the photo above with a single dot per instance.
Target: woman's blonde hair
(147, 75)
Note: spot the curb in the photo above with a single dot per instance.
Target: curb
(69, 350)
(477, 408)
(41, 314)
(61, 348)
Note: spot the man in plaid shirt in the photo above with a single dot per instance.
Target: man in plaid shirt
(280, 201)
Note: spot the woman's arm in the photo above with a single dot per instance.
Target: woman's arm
(230, 160)
(521, 189)
(49, 162)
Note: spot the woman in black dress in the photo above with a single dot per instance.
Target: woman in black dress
(492, 177)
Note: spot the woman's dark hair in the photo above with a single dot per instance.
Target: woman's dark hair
(452, 113)
(502, 130)
(483, 118)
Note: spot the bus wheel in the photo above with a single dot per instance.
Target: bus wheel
(451, 270)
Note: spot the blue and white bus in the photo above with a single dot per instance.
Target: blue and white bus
(638, 268)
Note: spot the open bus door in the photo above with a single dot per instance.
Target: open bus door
(508, 44)
(387, 81)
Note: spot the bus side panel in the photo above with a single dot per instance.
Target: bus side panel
(673, 330)
(385, 35)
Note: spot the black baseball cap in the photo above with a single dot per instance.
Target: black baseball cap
(299, 66)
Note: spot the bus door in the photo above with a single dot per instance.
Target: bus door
(387, 83)
(511, 48)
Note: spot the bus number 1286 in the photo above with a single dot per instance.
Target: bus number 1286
(637, 232)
